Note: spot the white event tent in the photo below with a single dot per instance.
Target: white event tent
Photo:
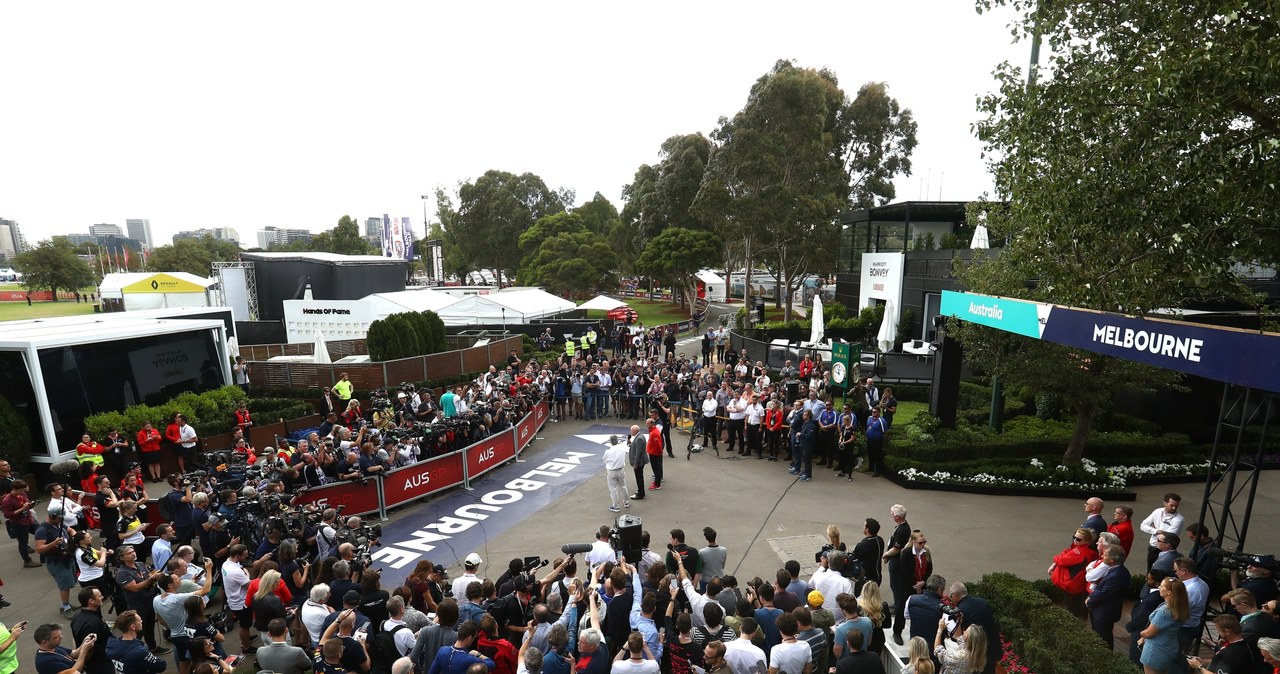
(601, 303)
(509, 305)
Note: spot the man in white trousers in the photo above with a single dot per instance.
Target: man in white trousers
(615, 469)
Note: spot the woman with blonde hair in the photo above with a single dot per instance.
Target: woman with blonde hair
(1159, 642)
(919, 660)
(266, 604)
(970, 654)
(874, 609)
(833, 537)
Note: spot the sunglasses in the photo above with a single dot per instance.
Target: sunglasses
(1076, 538)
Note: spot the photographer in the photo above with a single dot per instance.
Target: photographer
(180, 509)
(327, 534)
(59, 502)
(138, 581)
(53, 544)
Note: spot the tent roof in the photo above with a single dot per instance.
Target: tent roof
(115, 281)
(90, 328)
(708, 276)
(602, 303)
(423, 299)
(512, 304)
(322, 257)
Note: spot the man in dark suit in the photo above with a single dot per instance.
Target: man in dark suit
(976, 611)
(1149, 599)
(1106, 602)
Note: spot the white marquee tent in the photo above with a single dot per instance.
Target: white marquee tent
(510, 305)
(602, 303)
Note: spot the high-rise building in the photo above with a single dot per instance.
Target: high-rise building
(105, 230)
(140, 230)
(217, 233)
(373, 231)
(11, 240)
(280, 236)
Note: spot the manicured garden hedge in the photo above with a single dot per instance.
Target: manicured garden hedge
(210, 413)
(1046, 637)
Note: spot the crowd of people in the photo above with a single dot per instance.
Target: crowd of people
(1167, 623)
(305, 595)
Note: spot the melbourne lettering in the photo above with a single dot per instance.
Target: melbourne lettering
(1157, 343)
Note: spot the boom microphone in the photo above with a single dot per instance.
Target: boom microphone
(68, 466)
(575, 548)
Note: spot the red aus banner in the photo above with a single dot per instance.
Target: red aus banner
(490, 453)
(421, 479)
(540, 413)
(359, 499)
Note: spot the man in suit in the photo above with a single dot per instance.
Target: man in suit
(638, 457)
(1093, 517)
(1149, 599)
(1106, 602)
(976, 611)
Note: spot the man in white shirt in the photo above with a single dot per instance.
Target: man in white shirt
(314, 612)
(737, 409)
(615, 467)
(469, 566)
(792, 656)
(830, 582)
(710, 435)
(755, 432)
(743, 656)
(186, 443)
(1197, 600)
(602, 550)
(67, 507)
(697, 602)
(403, 637)
(235, 582)
(1166, 519)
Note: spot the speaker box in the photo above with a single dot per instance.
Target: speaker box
(944, 395)
(629, 540)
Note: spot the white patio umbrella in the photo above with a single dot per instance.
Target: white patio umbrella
(322, 349)
(816, 328)
(888, 328)
(980, 239)
(233, 347)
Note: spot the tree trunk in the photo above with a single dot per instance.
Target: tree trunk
(1084, 423)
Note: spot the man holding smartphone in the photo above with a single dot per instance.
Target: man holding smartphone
(52, 657)
(19, 520)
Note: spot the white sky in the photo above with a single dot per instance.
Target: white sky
(294, 113)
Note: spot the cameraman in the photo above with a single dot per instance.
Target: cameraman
(180, 508)
(327, 534)
(53, 544)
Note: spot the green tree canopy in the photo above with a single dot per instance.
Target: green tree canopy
(662, 195)
(53, 265)
(194, 256)
(676, 255)
(561, 254)
(343, 239)
(598, 215)
(494, 211)
(1140, 166)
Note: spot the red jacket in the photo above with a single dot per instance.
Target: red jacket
(173, 433)
(1124, 530)
(653, 445)
(1068, 572)
(773, 419)
(501, 651)
(149, 442)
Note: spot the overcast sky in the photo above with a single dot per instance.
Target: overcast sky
(294, 113)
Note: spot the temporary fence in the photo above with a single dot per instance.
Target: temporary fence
(401, 486)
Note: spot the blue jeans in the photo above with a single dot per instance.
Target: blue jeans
(602, 405)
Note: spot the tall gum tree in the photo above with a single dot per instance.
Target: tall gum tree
(1139, 163)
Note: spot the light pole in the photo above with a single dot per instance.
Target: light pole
(504, 320)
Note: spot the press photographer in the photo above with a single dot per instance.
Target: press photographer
(53, 544)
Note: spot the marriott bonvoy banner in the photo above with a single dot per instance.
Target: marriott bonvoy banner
(1222, 354)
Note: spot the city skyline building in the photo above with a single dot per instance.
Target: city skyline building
(12, 242)
(217, 233)
(139, 229)
(105, 229)
(281, 236)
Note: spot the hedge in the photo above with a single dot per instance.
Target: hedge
(210, 413)
(1046, 637)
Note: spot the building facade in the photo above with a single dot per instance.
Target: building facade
(12, 242)
(139, 230)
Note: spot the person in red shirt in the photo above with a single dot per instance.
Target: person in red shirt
(90, 451)
(1123, 527)
(1067, 570)
(806, 367)
(501, 651)
(149, 448)
(653, 447)
(173, 435)
(243, 421)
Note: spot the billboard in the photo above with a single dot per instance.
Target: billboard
(397, 237)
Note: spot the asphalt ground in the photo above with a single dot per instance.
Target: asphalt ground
(763, 516)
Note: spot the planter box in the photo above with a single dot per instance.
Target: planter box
(1008, 491)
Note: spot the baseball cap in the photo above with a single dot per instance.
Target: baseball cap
(439, 568)
(1263, 561)
(351, 597)
(472, 560)
(815, 598)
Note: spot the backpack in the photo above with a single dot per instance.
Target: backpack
(166, 507)
(382, 648)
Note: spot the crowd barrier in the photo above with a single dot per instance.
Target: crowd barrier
(395, 487)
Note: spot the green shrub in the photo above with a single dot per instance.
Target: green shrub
(1046, 637)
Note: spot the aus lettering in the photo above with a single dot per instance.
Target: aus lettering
(486, 455)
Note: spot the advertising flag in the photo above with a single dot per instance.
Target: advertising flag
(406, 226)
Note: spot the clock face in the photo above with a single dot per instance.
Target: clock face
(838, 373)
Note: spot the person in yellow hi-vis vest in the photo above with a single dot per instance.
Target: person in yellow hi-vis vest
(569, 348)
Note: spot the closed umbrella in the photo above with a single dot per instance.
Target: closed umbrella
(816, 327)
(322, 349)
(888, 328)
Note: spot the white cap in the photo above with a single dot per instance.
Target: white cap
(472, 560)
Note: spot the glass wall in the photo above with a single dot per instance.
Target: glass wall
(87, 379)
(18, 404)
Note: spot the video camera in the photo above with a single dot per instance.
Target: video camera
(624, 537)
(1239, 561)
(852, 568)
(362, 538)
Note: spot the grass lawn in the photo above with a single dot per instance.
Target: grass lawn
(908, 410)
(650, 312)
(17, 311)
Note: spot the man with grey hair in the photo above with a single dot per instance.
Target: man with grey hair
(925, 609)
(402, 666)
(901, 570)
(314, 612)
(830, 581)
(395, 624)
(638, 456)
(976, 611)
(615, 464)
